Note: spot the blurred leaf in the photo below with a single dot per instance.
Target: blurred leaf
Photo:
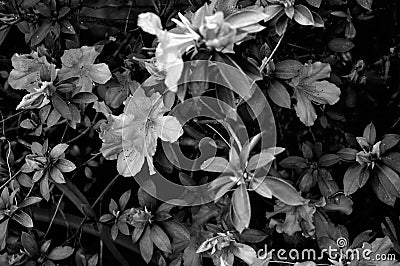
(314, 3)
(41, 33)
(367, 4)
(60, 253)
(287, 69)
(29, 243)
(370, 133)
(340, 45)
(84, 97)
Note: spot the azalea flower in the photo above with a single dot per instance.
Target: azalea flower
(79, 63)
(132, 136)
(34, 74)
(308, 89)
(215, 30)
(170, 48)
(27, 70)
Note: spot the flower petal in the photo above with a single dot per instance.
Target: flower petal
(150, 23)
(129, 162)
(304, 108)
(315, 71)
(99, 73)
(323, 92)
(89, 55)
(168, 128)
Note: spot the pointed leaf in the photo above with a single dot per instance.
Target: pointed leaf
(303, 16)
(146, 245)
(284, 191)
(241, 210)
(160, 239)
(278, 94)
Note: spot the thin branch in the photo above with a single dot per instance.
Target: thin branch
(266, 60)
(54, 215)
(105, 191)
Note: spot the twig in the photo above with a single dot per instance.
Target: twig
(266, 60)
(54, 215)
(11, 116)
(84, 132)
(127, 17)
(104, 191)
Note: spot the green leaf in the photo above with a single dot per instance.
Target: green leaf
(3, 233)
(29, 201)
(340, 45)
(272, 10)
(245, 253)
(327, 160)
(84, 97)
(253, 235)
(248, 146)
(106, 238)
(106, 218)
(216, 164)
(260, 160)
(123, 200)
(41, 33)
(29, 243)
(261, 187)
(233, 76)
(314, 3)
(44, 187)
(145, 199)
(43, 9)
(65, 165)
(56, 175)
(355, 176)
(293, 162)
(284, 191)
(370, 133)
(22, 218)
(287, 69)
(240, 209)
(27, 124)
(160, 239)
(245, 18)
(146, 245)
(60, 253)
(389, 179)
(53, 118)
(29, 3)
(388, 142)
(347, 154)
(58, 150)
(4, 30)
(63, 11)
(307, 151)
(392, 160)
(278, 94)
(61, 106)
(303, 16)
(367, 4)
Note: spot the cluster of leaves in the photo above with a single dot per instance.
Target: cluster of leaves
(119, 95)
